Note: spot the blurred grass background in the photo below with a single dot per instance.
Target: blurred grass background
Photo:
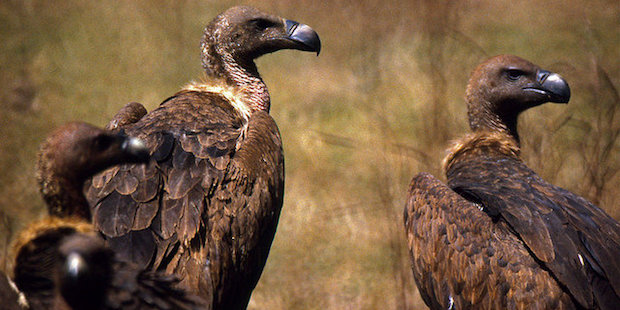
(380, 104)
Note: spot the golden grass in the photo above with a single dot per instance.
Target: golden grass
(380, 104)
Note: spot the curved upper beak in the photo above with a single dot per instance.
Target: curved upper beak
(552, 85)
(307, 38)
(135, 149)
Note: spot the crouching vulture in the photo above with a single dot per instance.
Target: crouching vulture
(61, 262)
(498, 236)
(207, 209)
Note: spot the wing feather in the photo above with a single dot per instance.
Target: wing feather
(210, 178)
(144, 214)
(128, 185)
(147, 189)
(573, 238)
(461, 258)
(140, 241)
(115, 214)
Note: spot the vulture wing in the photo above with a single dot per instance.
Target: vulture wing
(578, 242)
(207, 207)
(461, 260)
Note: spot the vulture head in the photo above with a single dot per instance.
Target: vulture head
(75, 152)
(85, 271)
(241, 34)
(504, 86)
(36, 270)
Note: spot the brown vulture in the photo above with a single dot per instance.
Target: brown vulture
(207, 210)
(498, 236)
(61, 262)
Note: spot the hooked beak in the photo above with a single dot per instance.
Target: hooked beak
(552, 85)
(136, 149)
(307, 38)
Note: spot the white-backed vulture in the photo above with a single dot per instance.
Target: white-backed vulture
(61, 262)
(207, 210)
(498, 236)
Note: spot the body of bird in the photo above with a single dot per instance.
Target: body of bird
(208, 208)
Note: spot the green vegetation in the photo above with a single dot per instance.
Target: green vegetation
(380, 104)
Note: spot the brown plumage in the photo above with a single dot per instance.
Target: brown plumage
(498, 236)
(129, 114)
(207, 209)
(61, 262)
(10, 296)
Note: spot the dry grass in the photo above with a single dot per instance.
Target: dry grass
(379, 105)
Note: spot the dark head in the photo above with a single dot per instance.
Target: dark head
(76, 152)
(36, 268)
(84, 271)
(245, 33)
(504, 86)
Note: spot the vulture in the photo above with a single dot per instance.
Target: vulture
(61, 262)
(497, 235)
(207, 209)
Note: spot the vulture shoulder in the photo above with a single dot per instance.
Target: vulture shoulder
(574, 239)
(462, 260)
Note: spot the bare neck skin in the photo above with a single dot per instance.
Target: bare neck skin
(482, 117)
(243, 75)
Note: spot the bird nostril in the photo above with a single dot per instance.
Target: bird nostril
(542, 76)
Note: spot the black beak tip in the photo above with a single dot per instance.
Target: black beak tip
(305, 35)
(136, 149)
(555, 85)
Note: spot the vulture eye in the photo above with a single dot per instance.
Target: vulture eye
(261, 24)
(514, 74)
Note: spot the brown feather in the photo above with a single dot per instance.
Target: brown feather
(475, 263)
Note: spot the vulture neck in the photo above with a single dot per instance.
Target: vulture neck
(63, 195)
(483, 118)
(241, 74)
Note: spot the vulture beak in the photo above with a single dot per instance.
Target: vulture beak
(307, 38)
(552, 85)
(75, 265)
(85, 271)
(135, 149)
